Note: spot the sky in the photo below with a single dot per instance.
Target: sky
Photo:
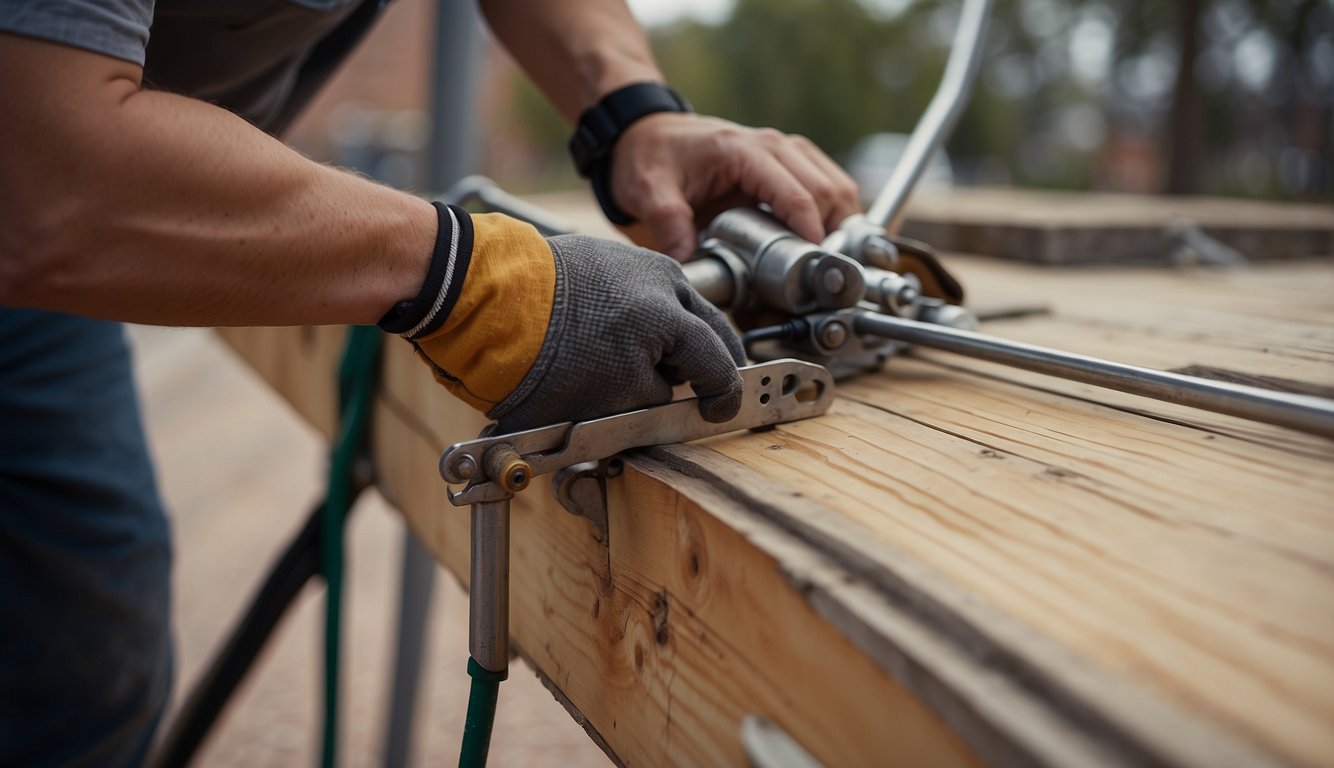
(654, 12)
(651, 13)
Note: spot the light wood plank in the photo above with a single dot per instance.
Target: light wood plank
(591, 619)
(1064, 228)
(1039, 570)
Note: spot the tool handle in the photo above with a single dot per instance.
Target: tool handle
(1304, 413)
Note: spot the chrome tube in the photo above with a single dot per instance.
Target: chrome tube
(956, 87)
(714, 280)
(492, 198)
(1304, 413)
(489, 585)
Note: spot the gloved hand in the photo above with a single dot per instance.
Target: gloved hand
(534, 331)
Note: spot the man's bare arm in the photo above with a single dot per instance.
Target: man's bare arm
(577, 51)
(671, 171)
(135, 205)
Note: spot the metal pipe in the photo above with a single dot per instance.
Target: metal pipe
(786, 272)
(714, 279)
(1304, 413)
(416, 583)
(956, 86)
(496, 200)
(489, 585)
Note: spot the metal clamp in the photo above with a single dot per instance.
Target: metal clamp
(496, 467)
(773, 393)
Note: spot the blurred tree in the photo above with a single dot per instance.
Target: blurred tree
(1188, 96)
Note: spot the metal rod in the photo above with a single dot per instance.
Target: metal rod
(714, 280)
(956, 86)
(489, 585)
(496, 200)
(416, 583)
(1304, 413)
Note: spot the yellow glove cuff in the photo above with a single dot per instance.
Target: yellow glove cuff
(496, 329)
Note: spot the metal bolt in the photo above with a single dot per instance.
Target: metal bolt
(833, 334)
(878, 251)
(905, 297)
(507, 467)
(834, 281)
(517, 479)
(465, 467)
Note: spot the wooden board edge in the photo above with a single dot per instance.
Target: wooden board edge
(1016, 696)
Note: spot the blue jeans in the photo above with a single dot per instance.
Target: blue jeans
(85, 550)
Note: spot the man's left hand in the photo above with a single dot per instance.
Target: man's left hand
(675, 171)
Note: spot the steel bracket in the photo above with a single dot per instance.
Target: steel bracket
(582, 490)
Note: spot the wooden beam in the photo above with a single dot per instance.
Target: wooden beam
(958, 563)
(1062, 228)
(652, 638)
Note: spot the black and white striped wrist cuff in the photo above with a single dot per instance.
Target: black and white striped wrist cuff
(425, 314)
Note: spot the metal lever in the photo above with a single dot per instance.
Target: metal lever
(480, 189)
(773, 393)
(1304, 413)
(858, 235)
(952, 97)
(499, 466)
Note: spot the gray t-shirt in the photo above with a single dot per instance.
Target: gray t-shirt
(241, 54)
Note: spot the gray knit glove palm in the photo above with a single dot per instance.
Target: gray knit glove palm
(625, 328)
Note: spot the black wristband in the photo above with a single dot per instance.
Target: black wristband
(601, 125)
(425, 314)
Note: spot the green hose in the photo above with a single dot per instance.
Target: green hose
(481, 714)
(357, 379)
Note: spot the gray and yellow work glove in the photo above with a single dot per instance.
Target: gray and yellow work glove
(536, 331)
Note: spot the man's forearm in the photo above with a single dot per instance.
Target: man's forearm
(150, 207)
(576, 50)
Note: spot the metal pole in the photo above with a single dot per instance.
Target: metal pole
(489, 585)
(950, 101)
(451, 154)
(1304, 413)
(417, 582)
(453, 148)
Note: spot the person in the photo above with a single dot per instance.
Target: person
(141, 181)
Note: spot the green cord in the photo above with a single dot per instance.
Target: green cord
(357, 380)
(481, 714)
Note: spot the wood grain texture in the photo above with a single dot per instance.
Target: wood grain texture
(660, 647)
(1064, 228)
(959, 561)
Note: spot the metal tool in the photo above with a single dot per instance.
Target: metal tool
(893, 315)
(847, 305)
(496, 467)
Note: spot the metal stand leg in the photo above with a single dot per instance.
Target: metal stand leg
(489, 586)
(416, 585)
(488, 625)
(452, 155)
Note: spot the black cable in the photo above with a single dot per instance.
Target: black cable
(297, 565)
(790, 330)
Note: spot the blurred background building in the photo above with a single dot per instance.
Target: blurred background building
(1217, 97)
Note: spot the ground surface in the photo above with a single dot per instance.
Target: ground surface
(239, 472)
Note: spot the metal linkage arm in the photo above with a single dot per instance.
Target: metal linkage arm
(950, 101)
(1313, 415)
(499, 466)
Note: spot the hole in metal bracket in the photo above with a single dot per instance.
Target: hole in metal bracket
(810, 391)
